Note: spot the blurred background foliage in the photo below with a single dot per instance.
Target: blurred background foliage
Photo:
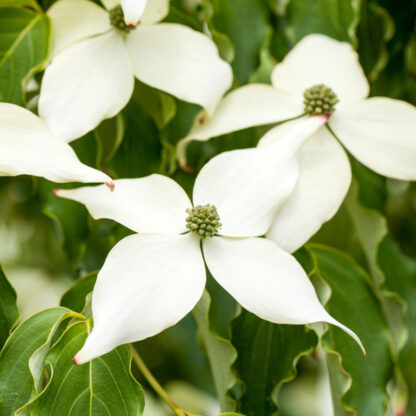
(46, 243)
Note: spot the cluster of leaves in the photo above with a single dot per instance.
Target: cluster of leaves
(359, 261)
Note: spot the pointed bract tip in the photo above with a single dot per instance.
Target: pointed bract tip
(56, 191)
(111, 185)
(186, 168)
(75, 361)
(360, 344)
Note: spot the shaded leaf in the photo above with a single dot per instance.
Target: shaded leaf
(375, 30)
(267, 356)
(267, 63)
(230, 414)
(24, 48)
(370, 227)
(20, 3)
(70, 218)
(246, 24)
(140, 151)
(353, 303)
(158, 105)
(21, 359)
(221, 353)
(400, 277)
(75, 297)
(335, 18)
(104, 386)
(9, 313)
(365, 204)
(109, 135)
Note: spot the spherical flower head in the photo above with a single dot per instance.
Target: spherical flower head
(117, 20)
(203, 220)
(319, 99)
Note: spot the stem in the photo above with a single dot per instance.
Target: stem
(155, 384)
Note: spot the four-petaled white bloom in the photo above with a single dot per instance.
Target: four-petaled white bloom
(97, 55)
(27, 147)
(151, 280)
(320, 76)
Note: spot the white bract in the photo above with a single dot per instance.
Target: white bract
(27, 147)
(151, 280)
(96, 56)
(320, 76)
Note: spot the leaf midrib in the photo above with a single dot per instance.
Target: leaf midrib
(20, 37)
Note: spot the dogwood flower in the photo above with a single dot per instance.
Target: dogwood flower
(27, 147)
(151, 280)
(320, 76)
(97, 55)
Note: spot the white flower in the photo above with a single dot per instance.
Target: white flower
(379, 132)
(97, 55)
(153, 279)
(27, 147)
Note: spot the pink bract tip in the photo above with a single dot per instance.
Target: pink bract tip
(110, 185)
(56, 191)
(75, 361)
(186, 168)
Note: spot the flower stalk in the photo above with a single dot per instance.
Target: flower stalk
(155, 384)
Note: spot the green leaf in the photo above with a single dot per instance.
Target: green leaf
(21, 359)
(140, 151)
(410, 56)
(221, 353)
(267, 356)
(75, 297)
(267, 63)
(231, 414)
(246, 24)
(353, 303)
(104, 386)
(400, 273)
(109, 135)
(158, 105)
(20, 3)
(9, 313)
(365, 202)
(70, 218)
(24, 48)
(335, 18)
(370, 227)
(375, 30)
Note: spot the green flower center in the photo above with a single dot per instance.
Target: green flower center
(319, 99)
(203, 220)
(117, 20)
